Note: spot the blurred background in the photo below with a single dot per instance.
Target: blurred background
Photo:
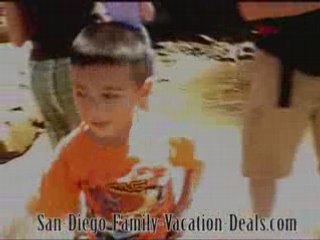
(218, 18)
(202, 50)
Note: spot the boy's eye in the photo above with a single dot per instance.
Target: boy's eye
(80, 93)
(110, 96)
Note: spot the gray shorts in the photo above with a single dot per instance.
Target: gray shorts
(51, 87)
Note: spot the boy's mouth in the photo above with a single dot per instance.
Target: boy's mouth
(100, 124)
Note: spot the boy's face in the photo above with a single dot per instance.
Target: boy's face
(105, 97)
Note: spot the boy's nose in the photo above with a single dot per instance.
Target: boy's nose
(96, 110)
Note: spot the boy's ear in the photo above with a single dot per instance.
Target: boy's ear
(145, 90)
(146, 87)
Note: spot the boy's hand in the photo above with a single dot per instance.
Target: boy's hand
(147, 11)
(182, 153)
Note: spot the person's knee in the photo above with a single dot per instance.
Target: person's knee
(262, 182)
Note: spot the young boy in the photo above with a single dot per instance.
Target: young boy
(41, 22)
(111, 65)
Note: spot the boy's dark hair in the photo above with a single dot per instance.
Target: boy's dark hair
(114, 43)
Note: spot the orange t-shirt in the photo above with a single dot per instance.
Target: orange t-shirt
(111, 181)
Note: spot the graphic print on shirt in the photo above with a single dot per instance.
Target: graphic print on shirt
(142, 190)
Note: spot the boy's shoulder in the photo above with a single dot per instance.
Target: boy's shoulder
(73, 142)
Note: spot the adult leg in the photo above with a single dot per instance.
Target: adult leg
(43, 83)
(315, 123)
(270, 134)
(64, 94)
(262, 193)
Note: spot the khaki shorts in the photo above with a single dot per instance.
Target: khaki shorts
(271, 134)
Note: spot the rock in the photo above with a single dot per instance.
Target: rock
(246, 51)
(227, 59)
(17, 134)
(158, 46)
(245, 57)
(206, 39)
(167, 60)
(24, 86)
(163, 80)
(163, 53)
(210, 48)
(224, 51)
(38, 124)
(16, 109)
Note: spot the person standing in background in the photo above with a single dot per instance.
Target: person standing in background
(134, 13)
(51, 26)
(284, 94)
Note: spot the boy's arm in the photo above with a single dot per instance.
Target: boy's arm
(17, 28)
(147, 11)
(190, 183)
(182, 155)
(185, 197)
(260, 10)
(59, 192)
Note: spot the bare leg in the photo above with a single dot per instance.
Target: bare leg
(262, 193)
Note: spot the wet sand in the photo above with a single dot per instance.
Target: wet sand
(205, 99)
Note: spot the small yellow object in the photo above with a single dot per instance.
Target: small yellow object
(21, 136)
(182, 153)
